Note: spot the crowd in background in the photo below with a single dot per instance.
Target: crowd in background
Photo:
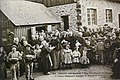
(47, 51)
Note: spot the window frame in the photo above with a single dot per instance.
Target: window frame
(109, 19)
(92, 20)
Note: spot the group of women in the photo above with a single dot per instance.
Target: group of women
(67, 49)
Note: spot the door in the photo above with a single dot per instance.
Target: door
(29, 34)
(39, 29)
(65, 20)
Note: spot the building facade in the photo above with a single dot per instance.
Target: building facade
(96, 13)
(90, 13)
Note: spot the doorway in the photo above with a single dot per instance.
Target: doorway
(65, 20)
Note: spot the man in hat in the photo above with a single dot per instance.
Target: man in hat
(86, 32)
(29, 57)
(13, 58)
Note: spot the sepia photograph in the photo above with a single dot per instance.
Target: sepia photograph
(59, 39)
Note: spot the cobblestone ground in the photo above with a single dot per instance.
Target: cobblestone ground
(95, 72)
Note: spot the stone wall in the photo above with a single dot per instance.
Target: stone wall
(68, 9)
(101, 5)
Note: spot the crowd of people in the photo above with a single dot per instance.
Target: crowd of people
(47, 51)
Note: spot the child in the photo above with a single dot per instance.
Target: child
(37, 52)
(77, 44)
(13, 58)
(100, 51)
(76, 57)
(84, 59)
(67, 52)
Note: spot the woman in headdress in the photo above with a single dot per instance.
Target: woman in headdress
(46, 59)
(55, 54)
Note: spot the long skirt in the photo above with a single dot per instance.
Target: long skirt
(39, 64)
(46, 65)
(3, 74)
(116, 70)
(55, 56)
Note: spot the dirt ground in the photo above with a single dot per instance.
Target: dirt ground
(95, 72)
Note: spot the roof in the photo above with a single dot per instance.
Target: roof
(28, 13)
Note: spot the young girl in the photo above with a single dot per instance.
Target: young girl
(67, 52)
(77, 44)
(84, 59)
(76, 57)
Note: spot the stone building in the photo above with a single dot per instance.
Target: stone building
(89, 13)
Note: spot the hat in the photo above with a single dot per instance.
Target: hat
(105, 24)
(28, 45)
(68, 45)
(86, 38)
(99, 39)
(14, 46)
(54, 36)
(117, 33)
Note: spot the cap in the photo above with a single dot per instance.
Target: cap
(28, 45)
(14, 46)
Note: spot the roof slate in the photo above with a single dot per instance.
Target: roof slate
(27, 13)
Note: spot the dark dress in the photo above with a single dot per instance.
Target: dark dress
(46, 66)
(3, 73)
(108, 54)
(116, 68)
(55, 53)
(72, 41)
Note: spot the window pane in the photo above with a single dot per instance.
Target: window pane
(108, 15)
(92, 16)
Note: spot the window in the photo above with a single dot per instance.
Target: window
(92, 16)
(109, 15)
